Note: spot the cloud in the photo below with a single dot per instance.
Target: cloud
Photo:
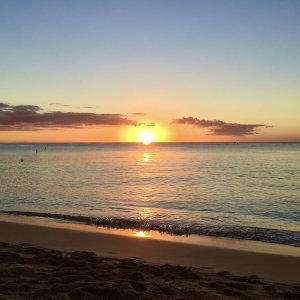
(146, 124)
(67, 105)
(138, 114)
(59, 104)
(30, 117)
(218, 127)
(3, 105)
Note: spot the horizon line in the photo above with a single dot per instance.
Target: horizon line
(191, 142)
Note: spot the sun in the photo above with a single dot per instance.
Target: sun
(146, 137)
(145, 134)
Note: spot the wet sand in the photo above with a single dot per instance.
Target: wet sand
(130, 268)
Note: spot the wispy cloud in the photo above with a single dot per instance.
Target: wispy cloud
(58, 104)
(138, 114)
(218, 127)
(146, 124)
(31, 117)
(67, 105)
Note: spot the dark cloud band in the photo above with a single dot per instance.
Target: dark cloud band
(30, 117)
(218, 127)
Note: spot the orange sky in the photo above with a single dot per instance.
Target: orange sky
(166, 133)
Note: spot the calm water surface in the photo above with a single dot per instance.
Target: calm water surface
(245, 191)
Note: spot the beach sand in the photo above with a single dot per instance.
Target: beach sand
(91, 265)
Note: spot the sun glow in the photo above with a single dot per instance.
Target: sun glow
(146, 137)
(141, 234)
(145, 134)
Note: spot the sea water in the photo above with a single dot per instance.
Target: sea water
(245, 191)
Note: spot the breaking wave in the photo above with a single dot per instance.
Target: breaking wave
(284, 237)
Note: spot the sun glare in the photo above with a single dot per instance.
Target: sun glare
(145, 134)
(146, 137)
(141, 234)
(146, 157)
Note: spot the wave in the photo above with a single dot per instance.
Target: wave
(284, 237)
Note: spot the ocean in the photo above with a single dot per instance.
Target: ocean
(248, 191)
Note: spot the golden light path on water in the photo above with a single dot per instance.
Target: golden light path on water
(146, 157)
(142, 234)
(145, 212)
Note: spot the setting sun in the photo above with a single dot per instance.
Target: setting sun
(146, 137)
(145, 134)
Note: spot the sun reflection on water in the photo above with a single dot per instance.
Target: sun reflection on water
(145, 212)
(142, 234)
(146, 157)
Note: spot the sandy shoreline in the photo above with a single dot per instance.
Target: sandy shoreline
(270, 267)
(93, 265)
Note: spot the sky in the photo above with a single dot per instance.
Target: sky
(109, 71)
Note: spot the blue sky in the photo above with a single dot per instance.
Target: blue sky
(237, 61)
